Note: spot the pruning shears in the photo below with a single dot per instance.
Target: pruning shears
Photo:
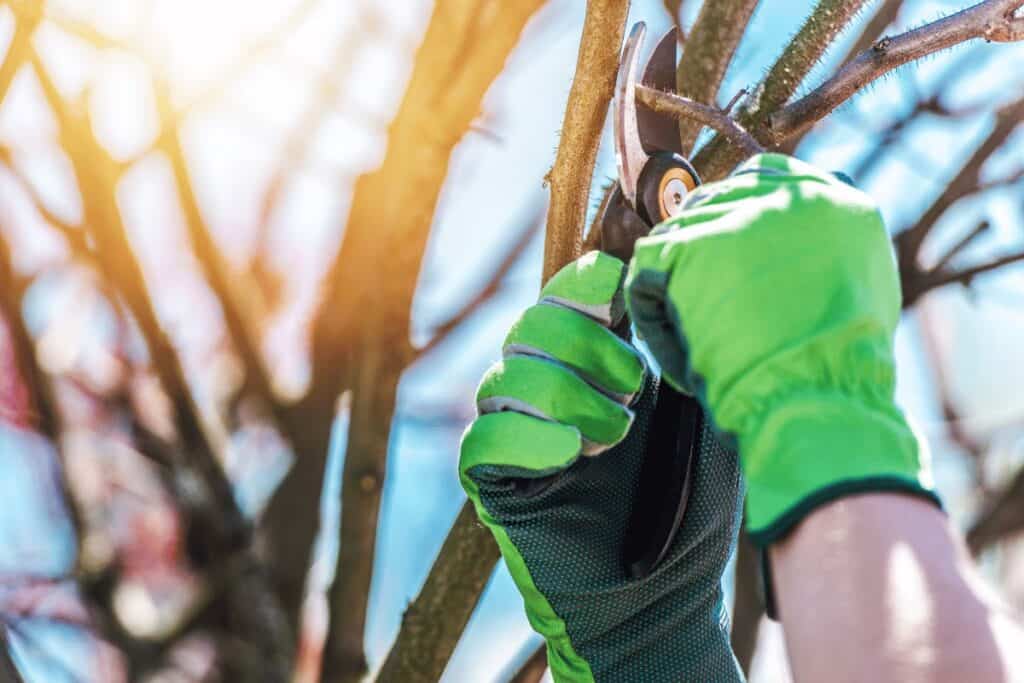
(653, 180)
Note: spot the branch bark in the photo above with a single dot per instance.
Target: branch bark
(434, 621)
(884, 16)
(992, 20)
(585, 112)
(706, 56)
(829, 17)
(599, 48)
(532, 670)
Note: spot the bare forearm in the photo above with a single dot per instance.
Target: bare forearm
(878, 587)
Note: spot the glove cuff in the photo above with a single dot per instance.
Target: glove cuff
(816, 448)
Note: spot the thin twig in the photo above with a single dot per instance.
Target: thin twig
(712, 117)
(992, 20)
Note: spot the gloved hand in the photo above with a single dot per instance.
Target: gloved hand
(774, 298)
(552, 466)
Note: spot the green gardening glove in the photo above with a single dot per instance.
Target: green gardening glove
(552, 466)
(774, 297)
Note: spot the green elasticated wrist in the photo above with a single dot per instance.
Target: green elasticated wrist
(815, 448)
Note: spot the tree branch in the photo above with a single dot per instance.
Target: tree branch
(965, 182)
(241, 328)
(884, 16)
(251, 607)
(706, 56)
(829, 17)
(991, 20)
(366, 348)
(434, 621)
(706, 115)
(8, 669)
(1002, 517)
(585, 112)
(532, 670)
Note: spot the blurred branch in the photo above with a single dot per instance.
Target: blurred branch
(532, 670)
(938, 277)
(706, 115)
(748, 607)
(675, 13)
(434, 621)
(32, 10)
(932, 105)
(706, 56)
(992, 20)
(241, 328)
(1002, 516)
(333, 82)
(219, 83)
(366, 348)
(41, 400)
(828, 18)
(8, 670)
(253, 613)
(18, 49)
(74, 236)
(486, 293)
(585, 112)
(964, 183)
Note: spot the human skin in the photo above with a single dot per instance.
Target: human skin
(879, 587)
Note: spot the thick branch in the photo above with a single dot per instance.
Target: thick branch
(829, 17)
(434, 621)
(884, 16)
(990, 20)
(706, 56)
(705, 115)
(585, 112)
(532, 670)
(465, 48)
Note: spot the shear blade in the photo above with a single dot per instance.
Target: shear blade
(658, 132)
(629, 151)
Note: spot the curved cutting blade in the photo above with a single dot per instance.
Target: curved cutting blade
(629, 152)
(658, 132)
